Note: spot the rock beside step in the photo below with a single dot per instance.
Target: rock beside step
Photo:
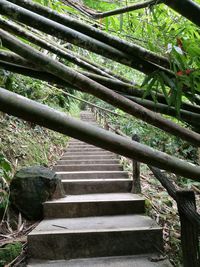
(31, 186)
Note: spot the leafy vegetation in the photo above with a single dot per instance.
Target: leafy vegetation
(5, 177)
(156, 28)
(159, 29)
(9, 253)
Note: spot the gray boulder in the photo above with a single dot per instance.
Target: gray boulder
(32, 186)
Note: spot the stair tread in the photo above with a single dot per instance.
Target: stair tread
(96, 180)
(85, 172)
(103, 165)
(88, 223)
(86, 162)
(106, 197)
(112, 223)
(121, 261)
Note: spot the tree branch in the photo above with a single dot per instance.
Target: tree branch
(118, 11)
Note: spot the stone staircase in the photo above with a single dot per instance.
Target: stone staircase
(99, 222)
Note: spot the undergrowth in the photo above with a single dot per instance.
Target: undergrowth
(22, 144)
(159, 205)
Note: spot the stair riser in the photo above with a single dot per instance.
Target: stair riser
(80, 146)
(62, 168)
(74, 210)
(85, 162)
(83, 150)
(88, 153)
(93, 157)
(97, 175)
(95, 244)
(93, 187)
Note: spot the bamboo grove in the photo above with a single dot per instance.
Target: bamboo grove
(26, 27)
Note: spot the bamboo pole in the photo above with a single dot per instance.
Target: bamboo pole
(87, 85)
(30, 110)
(40, 22)
(189, 117)
(56, 49)
(123, 88)
(87, 102)
(186, 8)
(118, 11)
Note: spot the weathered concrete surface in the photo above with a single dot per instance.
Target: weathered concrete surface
(126, 261)
(93, 186)
(86, 161)
(94, 205)
(86, 149)
(89, 153)
(92, 236)
(116, 231)
(88, 167)
(93, 157)
(92, 175)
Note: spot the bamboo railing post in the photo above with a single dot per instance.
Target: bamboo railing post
(136, 187)
(117, 127)
(98, 116)
(105, 120)
(189, 230)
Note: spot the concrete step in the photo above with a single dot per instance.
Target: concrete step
(88, 153)
(94, 186)
(80, 146)
(93, 175)
(78, 142)
(148, 260)
(86, 162)
(88, 149)
(88, 157)
(88, 167)
(103, 236)
(94, 205)
(83, 148)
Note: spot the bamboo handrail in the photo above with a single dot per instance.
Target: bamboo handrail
(189, 217)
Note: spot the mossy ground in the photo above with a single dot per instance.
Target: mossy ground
(25, 144)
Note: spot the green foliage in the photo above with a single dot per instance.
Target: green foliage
(5, 178)
(37, 90)
(161, 30)
(26, 144)
(9, 252)
(157, 139)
